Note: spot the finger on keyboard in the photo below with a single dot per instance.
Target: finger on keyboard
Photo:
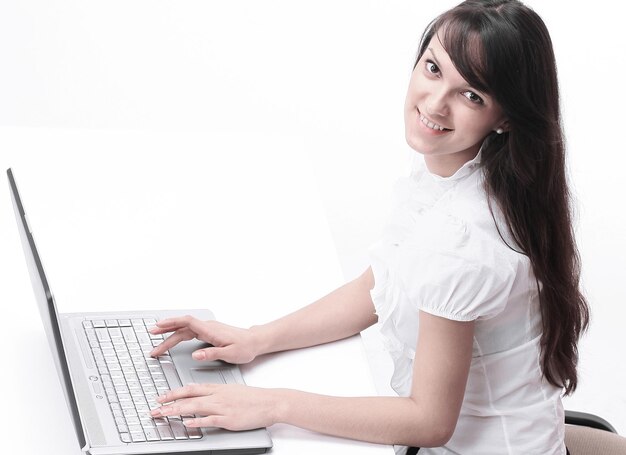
(170, 342)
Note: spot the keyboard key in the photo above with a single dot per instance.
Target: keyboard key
(129, 334)
(142, 408)
(160, 421)
(124, 322)
(160, 384)
(165, 433)
(138, 437)
(133, 420)
(120, 348)
(103, 335)
(123, 355)
(119, 343)
(87, 324)
(151, 434)
(135, 429)
(149, 389)
(125, 437)
(121, 389)
(171, 375)
(144, 339)
(147, 423)
(178, 429)
(194, 433)
(98, 323)
(111, 322)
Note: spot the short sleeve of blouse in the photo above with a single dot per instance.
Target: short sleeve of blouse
(447, 270)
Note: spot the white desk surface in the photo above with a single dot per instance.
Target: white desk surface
(171, 220)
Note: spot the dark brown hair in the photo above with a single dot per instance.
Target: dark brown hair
(503, 48)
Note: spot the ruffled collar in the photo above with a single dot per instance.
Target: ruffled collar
(468, 168)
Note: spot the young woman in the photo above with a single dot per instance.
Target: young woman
(474, 282)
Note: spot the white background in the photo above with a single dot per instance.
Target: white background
(325, 79)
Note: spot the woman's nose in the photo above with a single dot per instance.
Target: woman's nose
(437, 104)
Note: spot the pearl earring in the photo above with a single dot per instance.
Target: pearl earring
(499, 131)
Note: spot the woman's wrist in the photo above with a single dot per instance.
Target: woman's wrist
(281, 400)
(261, 339)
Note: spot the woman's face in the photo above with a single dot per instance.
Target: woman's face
(445, 118)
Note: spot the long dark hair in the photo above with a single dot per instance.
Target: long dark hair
(502, 47)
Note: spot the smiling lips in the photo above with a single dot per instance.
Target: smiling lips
(432, 125)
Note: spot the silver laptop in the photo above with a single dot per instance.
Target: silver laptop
(110, 381)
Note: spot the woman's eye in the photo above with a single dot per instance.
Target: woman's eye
(431, 67)
(473, 97)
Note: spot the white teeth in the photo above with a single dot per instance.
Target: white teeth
(430, 124)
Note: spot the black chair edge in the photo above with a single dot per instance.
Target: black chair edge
(588, 420)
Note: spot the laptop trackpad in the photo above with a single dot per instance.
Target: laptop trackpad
(209, 375)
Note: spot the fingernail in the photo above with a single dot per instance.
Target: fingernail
(199, 355)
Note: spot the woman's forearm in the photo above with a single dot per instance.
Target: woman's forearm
(383, 420)
(340, 314)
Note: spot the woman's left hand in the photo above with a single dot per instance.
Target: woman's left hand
(232, 406)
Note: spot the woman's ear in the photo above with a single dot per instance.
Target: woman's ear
(503, 127)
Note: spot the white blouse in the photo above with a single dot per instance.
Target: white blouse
(441, 253)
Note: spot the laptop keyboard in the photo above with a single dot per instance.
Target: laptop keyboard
(132, 380)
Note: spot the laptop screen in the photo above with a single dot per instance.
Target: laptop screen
(45, 302)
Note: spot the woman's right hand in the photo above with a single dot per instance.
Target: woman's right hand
(230, 344)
